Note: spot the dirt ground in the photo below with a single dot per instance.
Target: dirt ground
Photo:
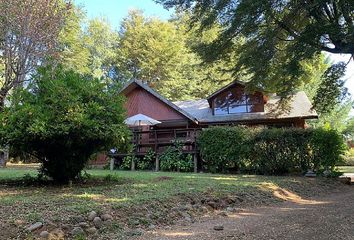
(325, 217)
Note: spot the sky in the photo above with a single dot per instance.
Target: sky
(115, 10)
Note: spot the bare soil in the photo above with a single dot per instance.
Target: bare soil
(323, 217)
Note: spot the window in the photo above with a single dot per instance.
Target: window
(237, 108)
(236, 101)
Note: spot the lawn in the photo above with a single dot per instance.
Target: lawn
(137, 199)
(346, 169)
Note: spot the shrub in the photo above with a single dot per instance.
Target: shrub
(224, 147)
(127, 162)
(270, 151)
(63, 118)
(141, 163)
(173, 159)
(147, 162)
(328, 149)
(348, 158)
(279, 151)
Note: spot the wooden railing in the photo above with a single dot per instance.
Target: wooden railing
(158, 140)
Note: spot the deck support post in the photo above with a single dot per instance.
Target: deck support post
(195, 158)
(4, 157)
(157, 163)
(133, 164)
(111, 164)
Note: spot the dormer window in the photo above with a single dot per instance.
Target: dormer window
(235, 101)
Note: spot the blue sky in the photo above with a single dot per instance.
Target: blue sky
(115, 10)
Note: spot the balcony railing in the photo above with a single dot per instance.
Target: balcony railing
(158, 140)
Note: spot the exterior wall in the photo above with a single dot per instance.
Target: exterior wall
(100, 160)
(300, 123)
(141, 101)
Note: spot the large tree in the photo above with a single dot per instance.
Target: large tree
(88, 46)
(62, 118)
(278, 35)
(161, 54)
(29, 31)
(334, 114)
(150, 50)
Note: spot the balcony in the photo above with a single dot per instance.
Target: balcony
(159, 140)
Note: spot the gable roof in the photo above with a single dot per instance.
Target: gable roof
(299, 107)
(225, 88)
(230, 85)
(132, 84)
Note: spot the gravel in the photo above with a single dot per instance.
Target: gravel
(326, 217)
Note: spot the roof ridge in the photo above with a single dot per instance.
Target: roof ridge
(159, 96)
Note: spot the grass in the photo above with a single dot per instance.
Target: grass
(135, 198)
(14, 174)
(346, 169)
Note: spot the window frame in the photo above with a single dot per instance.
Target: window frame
(247, 104)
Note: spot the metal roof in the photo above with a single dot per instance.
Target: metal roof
(299, 106)
(199, 111)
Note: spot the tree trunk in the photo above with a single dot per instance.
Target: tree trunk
(2, 102)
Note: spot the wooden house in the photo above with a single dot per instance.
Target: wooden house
(230, 105)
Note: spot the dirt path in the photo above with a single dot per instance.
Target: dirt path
(328, 217)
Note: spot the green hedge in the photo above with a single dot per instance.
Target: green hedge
(270, 151)
(173, 159)
(224, 147)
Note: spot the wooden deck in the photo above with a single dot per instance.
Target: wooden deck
(159, 140)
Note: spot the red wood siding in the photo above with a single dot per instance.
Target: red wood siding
(100, 159)
(141, 101)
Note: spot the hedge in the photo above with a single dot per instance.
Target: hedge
(270, 151)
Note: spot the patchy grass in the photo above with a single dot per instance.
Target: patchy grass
(346, 169)
(8, 174)
(138, 199)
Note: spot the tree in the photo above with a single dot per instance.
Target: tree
(160, 54)
(149, 49)
(29, 34)
(349, 129)
(102, 43)
(90, 49)
(62, 118)
(334, 113)
(278, 35)
(73, 53)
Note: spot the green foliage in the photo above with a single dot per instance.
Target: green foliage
(90, 50)
(338, 118)
(223, 147)
(270, 151)
(173, 159)
(145, 163)
(148, 161)
(160, 54)
(328, 149)
(349, 128)
(279, 151)
(333, 110)
(154, 51)
(331, 91)
(278, 35)
(127, 162)
(62, 118)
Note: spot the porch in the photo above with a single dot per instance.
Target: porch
(159, 140)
